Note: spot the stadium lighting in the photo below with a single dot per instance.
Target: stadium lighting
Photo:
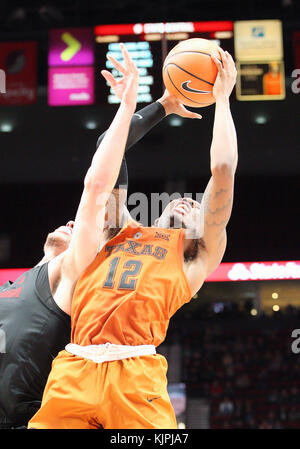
(275, 295)
(175, 121)
(260, 119)
(276, 308)
(6, 127)
(91, 124)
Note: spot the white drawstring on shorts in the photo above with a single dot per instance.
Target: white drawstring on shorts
(109, 352)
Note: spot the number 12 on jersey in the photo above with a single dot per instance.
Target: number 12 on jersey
(130, 271)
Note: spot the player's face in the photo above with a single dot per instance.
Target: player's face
(115, 208)
(181, 213)
(59, 240)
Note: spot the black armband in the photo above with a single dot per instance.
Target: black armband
(141, 123)
(144, 120)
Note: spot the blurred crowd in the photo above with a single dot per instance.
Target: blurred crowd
(246, 369)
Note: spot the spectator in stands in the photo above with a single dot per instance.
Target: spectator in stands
(276, 363)
(206, 390)
(286, 373)
(243, 381)
(271, 418)
(273, 397)
(209, 373)
(262, 383)
(251, 424)
(238, 345)
(265, 425)
(248, 413)
(239, 409)
(283, 414)
(216, 389)
(293, 414)
(262, 378)
(230, 372)
(238, 424)
(227, 359)
(226, 407)
(294, 397)
(193, 373)
(283, 397)
(228, 389)
(277, 425)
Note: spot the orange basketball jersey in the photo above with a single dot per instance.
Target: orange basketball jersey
(132, 288)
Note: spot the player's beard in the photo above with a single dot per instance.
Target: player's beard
(56, 244)
(112, 225)
(112, 232)
(115, 217)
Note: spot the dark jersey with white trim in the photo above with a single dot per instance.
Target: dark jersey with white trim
(33, 329)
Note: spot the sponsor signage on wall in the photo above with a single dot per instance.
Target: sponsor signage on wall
(18, 61)
(259, 59)
(71, 71)
(234, 271)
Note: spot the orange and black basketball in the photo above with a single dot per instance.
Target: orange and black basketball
(189, 72)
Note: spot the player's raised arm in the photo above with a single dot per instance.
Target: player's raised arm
(100, 179)
(218, 196)
(149, 116)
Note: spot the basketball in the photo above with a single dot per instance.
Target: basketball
(189, 72)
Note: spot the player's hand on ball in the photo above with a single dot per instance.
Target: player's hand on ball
(129, 79)
(173, 106)
(226, 77)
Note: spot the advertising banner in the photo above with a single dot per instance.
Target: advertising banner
(18, 64)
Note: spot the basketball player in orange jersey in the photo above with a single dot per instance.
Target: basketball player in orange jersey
(110, 375)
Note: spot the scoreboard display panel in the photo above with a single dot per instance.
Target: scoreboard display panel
(148, 45)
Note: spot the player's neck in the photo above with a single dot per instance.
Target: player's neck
(49, 255)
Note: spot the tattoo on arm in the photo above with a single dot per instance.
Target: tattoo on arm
(220, 191)
(220, 209)
(221, 240)
(214, 212)
(215, 223)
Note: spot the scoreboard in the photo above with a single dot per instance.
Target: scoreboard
(148, 61)
(77, 55)
(148, 44)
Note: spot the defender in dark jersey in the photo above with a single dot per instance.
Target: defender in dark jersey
(36, 329)
(35, 320)
(34, 310)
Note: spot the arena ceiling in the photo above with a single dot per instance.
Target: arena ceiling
(34, 14)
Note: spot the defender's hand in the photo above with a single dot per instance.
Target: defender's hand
(226, 77)
(129, 72)
(173, 106)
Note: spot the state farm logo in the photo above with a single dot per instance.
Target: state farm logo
(263, 271)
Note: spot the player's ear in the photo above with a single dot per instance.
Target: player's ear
(156, 222)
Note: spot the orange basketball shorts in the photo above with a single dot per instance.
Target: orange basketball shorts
(122, 394)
